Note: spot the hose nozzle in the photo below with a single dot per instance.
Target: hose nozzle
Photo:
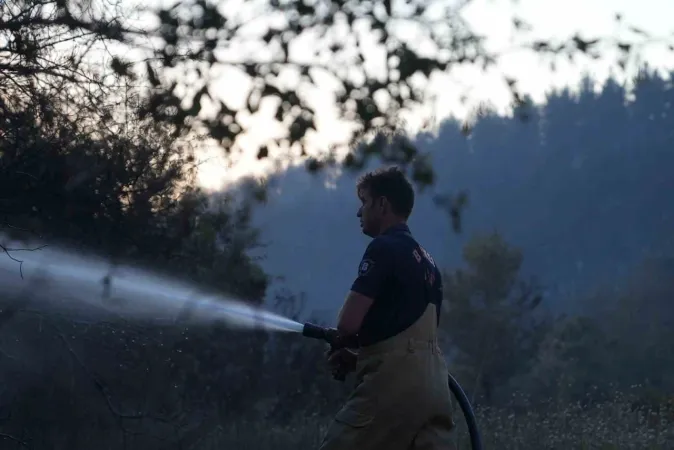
(332, 337)
(313, 331)
(329, 335)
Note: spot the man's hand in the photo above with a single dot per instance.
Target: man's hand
(342, 361)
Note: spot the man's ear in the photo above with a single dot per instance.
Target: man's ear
(383, 204)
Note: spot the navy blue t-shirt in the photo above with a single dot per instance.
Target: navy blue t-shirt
(402, 278)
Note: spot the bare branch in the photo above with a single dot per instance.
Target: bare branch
(100, 387)
(104, 391)
(14, 439)
(9, 251)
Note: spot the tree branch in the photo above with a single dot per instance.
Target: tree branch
(100, 387)
(103, 389)
(20, 261)
(15, 439)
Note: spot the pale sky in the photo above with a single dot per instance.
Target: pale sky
(493, 18)
(550, 19)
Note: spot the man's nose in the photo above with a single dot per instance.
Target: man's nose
(359, 213)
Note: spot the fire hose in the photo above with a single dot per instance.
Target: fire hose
(337, 342)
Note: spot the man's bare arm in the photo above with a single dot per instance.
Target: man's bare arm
(353, 312)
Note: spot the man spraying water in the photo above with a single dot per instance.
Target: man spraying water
(401, 399)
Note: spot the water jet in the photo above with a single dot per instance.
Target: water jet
(88, 286)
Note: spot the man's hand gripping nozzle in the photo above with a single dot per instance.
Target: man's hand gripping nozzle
(334, 339)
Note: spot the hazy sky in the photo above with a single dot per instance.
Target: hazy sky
(493, 18)
(550, 19)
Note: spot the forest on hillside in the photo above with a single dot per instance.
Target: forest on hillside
(582, 187)
(82, 163)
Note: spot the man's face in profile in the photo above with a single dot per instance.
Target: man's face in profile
(369, 213)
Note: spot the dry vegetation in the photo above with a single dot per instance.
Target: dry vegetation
(618, 424)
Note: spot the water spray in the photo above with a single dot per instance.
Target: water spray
(337, 342)
(91, 288)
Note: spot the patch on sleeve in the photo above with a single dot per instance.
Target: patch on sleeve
(365, 267)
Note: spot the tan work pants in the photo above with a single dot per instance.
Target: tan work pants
(401, 400)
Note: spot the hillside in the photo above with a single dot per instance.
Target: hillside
(583, 188)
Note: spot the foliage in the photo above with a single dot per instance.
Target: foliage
(501, 343)
(620, 343)
(286, 50)
(87, 179)
(489, 315)
(124, 190)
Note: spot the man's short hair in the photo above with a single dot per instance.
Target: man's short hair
(390, 182)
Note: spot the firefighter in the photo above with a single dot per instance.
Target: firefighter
(401, 400)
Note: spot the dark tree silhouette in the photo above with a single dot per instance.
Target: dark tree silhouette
(490, 316)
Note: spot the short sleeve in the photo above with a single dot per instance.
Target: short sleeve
(374, 269)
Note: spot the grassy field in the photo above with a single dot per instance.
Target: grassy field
(618, 424)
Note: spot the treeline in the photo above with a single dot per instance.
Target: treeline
(582, 187)
(583, 180)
